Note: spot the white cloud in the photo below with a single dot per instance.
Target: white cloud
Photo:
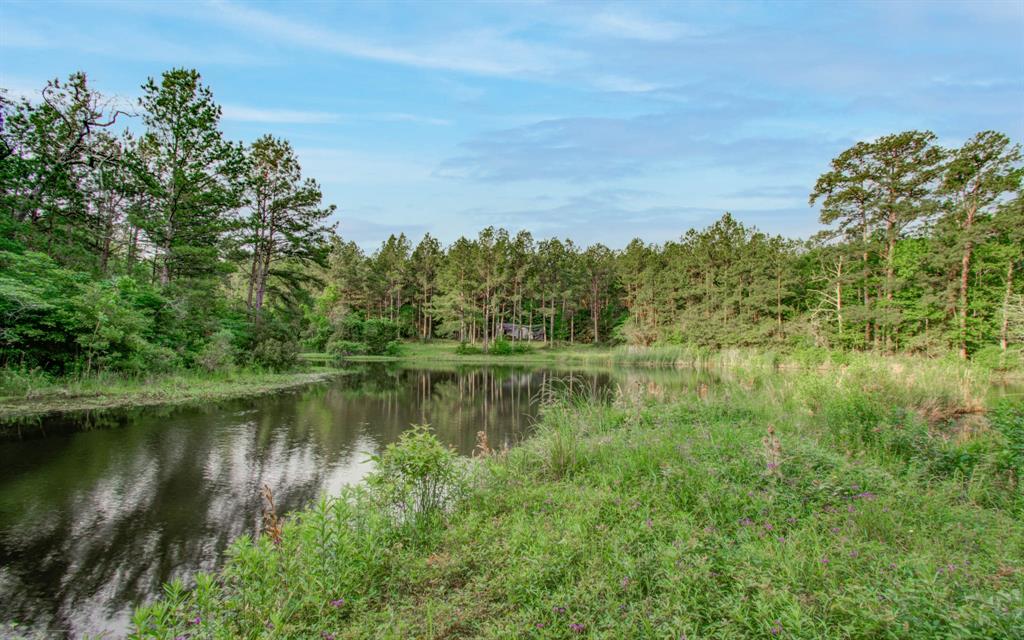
(621, 84)
(480, 51)
(621, 25)
(239, 113)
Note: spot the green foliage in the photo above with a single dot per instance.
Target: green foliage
(504, 347)
(467, 349)
(219, 353)
(417, 479)
(273, 344)
(650, 518)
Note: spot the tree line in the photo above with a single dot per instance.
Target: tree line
(920, 252)
(139, 237)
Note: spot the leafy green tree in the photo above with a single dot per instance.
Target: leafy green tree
(978, 178)
(285, 230)
(189, 177)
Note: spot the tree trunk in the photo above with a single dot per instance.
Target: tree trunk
(1004, 330)
(965, 270)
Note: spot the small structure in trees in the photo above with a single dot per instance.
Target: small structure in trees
(522, 331)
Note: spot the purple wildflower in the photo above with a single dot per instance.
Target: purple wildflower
(195, 620)
(577, 627)
(854, 553)
(768, 526)
(326, 635)
(777, 628)
(746, 522)
(824, 559)
(648, 523)
(782, 538)
(558, 610)
(539, 625)
(625, 582)
(339, 603)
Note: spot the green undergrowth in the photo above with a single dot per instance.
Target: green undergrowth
(825, 506)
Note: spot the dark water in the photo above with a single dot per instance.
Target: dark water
(99, 512)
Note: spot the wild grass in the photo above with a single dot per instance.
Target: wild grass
(825, 505)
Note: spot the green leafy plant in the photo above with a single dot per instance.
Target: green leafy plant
(417, 478)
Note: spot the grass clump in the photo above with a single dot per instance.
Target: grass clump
(816, 508)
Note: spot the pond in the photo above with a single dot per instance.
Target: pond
(97, 512)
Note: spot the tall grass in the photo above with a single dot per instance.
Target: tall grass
(818, 505)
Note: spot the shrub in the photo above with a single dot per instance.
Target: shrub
(378, 334)
(501, 347)
(339, 347)
(219, 352)
(467, 349)
(274, 344)
(417, 478)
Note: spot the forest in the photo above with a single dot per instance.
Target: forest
(138, 239)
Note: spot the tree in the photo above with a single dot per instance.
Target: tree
(977, 179)
(286, 224)
(425, 264)
(188, 174)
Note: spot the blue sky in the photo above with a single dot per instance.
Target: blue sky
(600, 122)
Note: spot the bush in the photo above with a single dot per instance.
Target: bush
(379, 334)
(501, 347)
(467, 349)
(339, 347)
(417, 478)
(274, 345)
(219, 352)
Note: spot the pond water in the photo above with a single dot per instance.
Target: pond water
(97, 512)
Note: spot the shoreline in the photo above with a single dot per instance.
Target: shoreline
(165, 390)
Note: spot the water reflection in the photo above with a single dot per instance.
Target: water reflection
(97, 514)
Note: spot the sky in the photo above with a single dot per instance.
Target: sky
(595, 121)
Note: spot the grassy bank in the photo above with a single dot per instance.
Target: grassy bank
(26, 395)
(817, 505)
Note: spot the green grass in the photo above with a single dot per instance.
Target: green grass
(666, 517)
(23, 395)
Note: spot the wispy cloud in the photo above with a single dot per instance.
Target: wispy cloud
(239, 113)
(242, 113)
(623, 25)
(484, 51)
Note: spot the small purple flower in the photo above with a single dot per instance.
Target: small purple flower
(791, 520)
(326, 635)
(824, 559)
(577, 627)
(648, 523)
(851, 509)
(625, 582)
(777, 628)
(854, 553)
(768, 526)
(539, 625)
(782, 538)
(195, 620)
(558, 610)
(835, 530)
(339, 603)
(746, 522)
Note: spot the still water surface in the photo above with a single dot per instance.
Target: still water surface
(99, 512)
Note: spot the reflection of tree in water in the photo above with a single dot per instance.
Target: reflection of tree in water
(93, 522)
